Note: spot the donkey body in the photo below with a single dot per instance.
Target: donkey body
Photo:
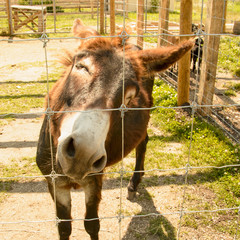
(86, 127)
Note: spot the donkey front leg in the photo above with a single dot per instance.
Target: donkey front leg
(92, 187)
(63, 208)
(137, 176)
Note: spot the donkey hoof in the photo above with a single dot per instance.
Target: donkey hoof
(131, 195)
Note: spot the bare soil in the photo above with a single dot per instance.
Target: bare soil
(27, 211)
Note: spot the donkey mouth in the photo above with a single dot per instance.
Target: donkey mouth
(79, 177)
(79, 171)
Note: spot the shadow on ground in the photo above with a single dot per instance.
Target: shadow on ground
(154, 226)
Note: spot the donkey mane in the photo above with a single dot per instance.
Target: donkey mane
(93, 44)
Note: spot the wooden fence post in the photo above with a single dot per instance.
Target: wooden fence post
(163, 21)
(184, 63)
(91, 2)
(9, 14)
(225, 16)
(112, 17)
(214, 25)
(101, 16)
(126, 8)
(140, 22)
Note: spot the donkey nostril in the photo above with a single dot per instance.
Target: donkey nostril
(70, 148)
(99, 163)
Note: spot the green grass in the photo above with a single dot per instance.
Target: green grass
(23, 65)
(20, 96)
(4, 27)
(230, 92)
(26, 167)
(161, 227)
(236, 86)
(209, 147)
(233, 89)
(229, 52)
(222, 221)
(64, 22)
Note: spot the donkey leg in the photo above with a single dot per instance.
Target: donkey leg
(92, 188)
(200, 61)
(137, 176)
(63, 208)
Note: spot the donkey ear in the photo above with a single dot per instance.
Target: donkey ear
(157, 60)
(82, 31)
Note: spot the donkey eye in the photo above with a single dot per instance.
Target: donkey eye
(130, 94)
(80, 66)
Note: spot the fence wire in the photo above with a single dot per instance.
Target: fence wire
(194, 106)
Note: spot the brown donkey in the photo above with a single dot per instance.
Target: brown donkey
(86, 127)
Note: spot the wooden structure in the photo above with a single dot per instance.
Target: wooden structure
(163, 22)
(26, 16)
(164, 39)
(236, 27)
(110, 7)
(140, 22)
(77, 6)
(101, 16)
(214, 25)
(184, 63)
(20, 16)
(112, 17)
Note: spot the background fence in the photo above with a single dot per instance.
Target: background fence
(211, 91)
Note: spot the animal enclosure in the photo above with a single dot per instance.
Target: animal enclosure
(190, 189)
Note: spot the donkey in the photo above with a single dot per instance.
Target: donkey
(100, 86)
(197, 51)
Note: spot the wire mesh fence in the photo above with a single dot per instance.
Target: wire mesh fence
(223, 112)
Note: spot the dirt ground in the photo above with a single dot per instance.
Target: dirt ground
(27, 211)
